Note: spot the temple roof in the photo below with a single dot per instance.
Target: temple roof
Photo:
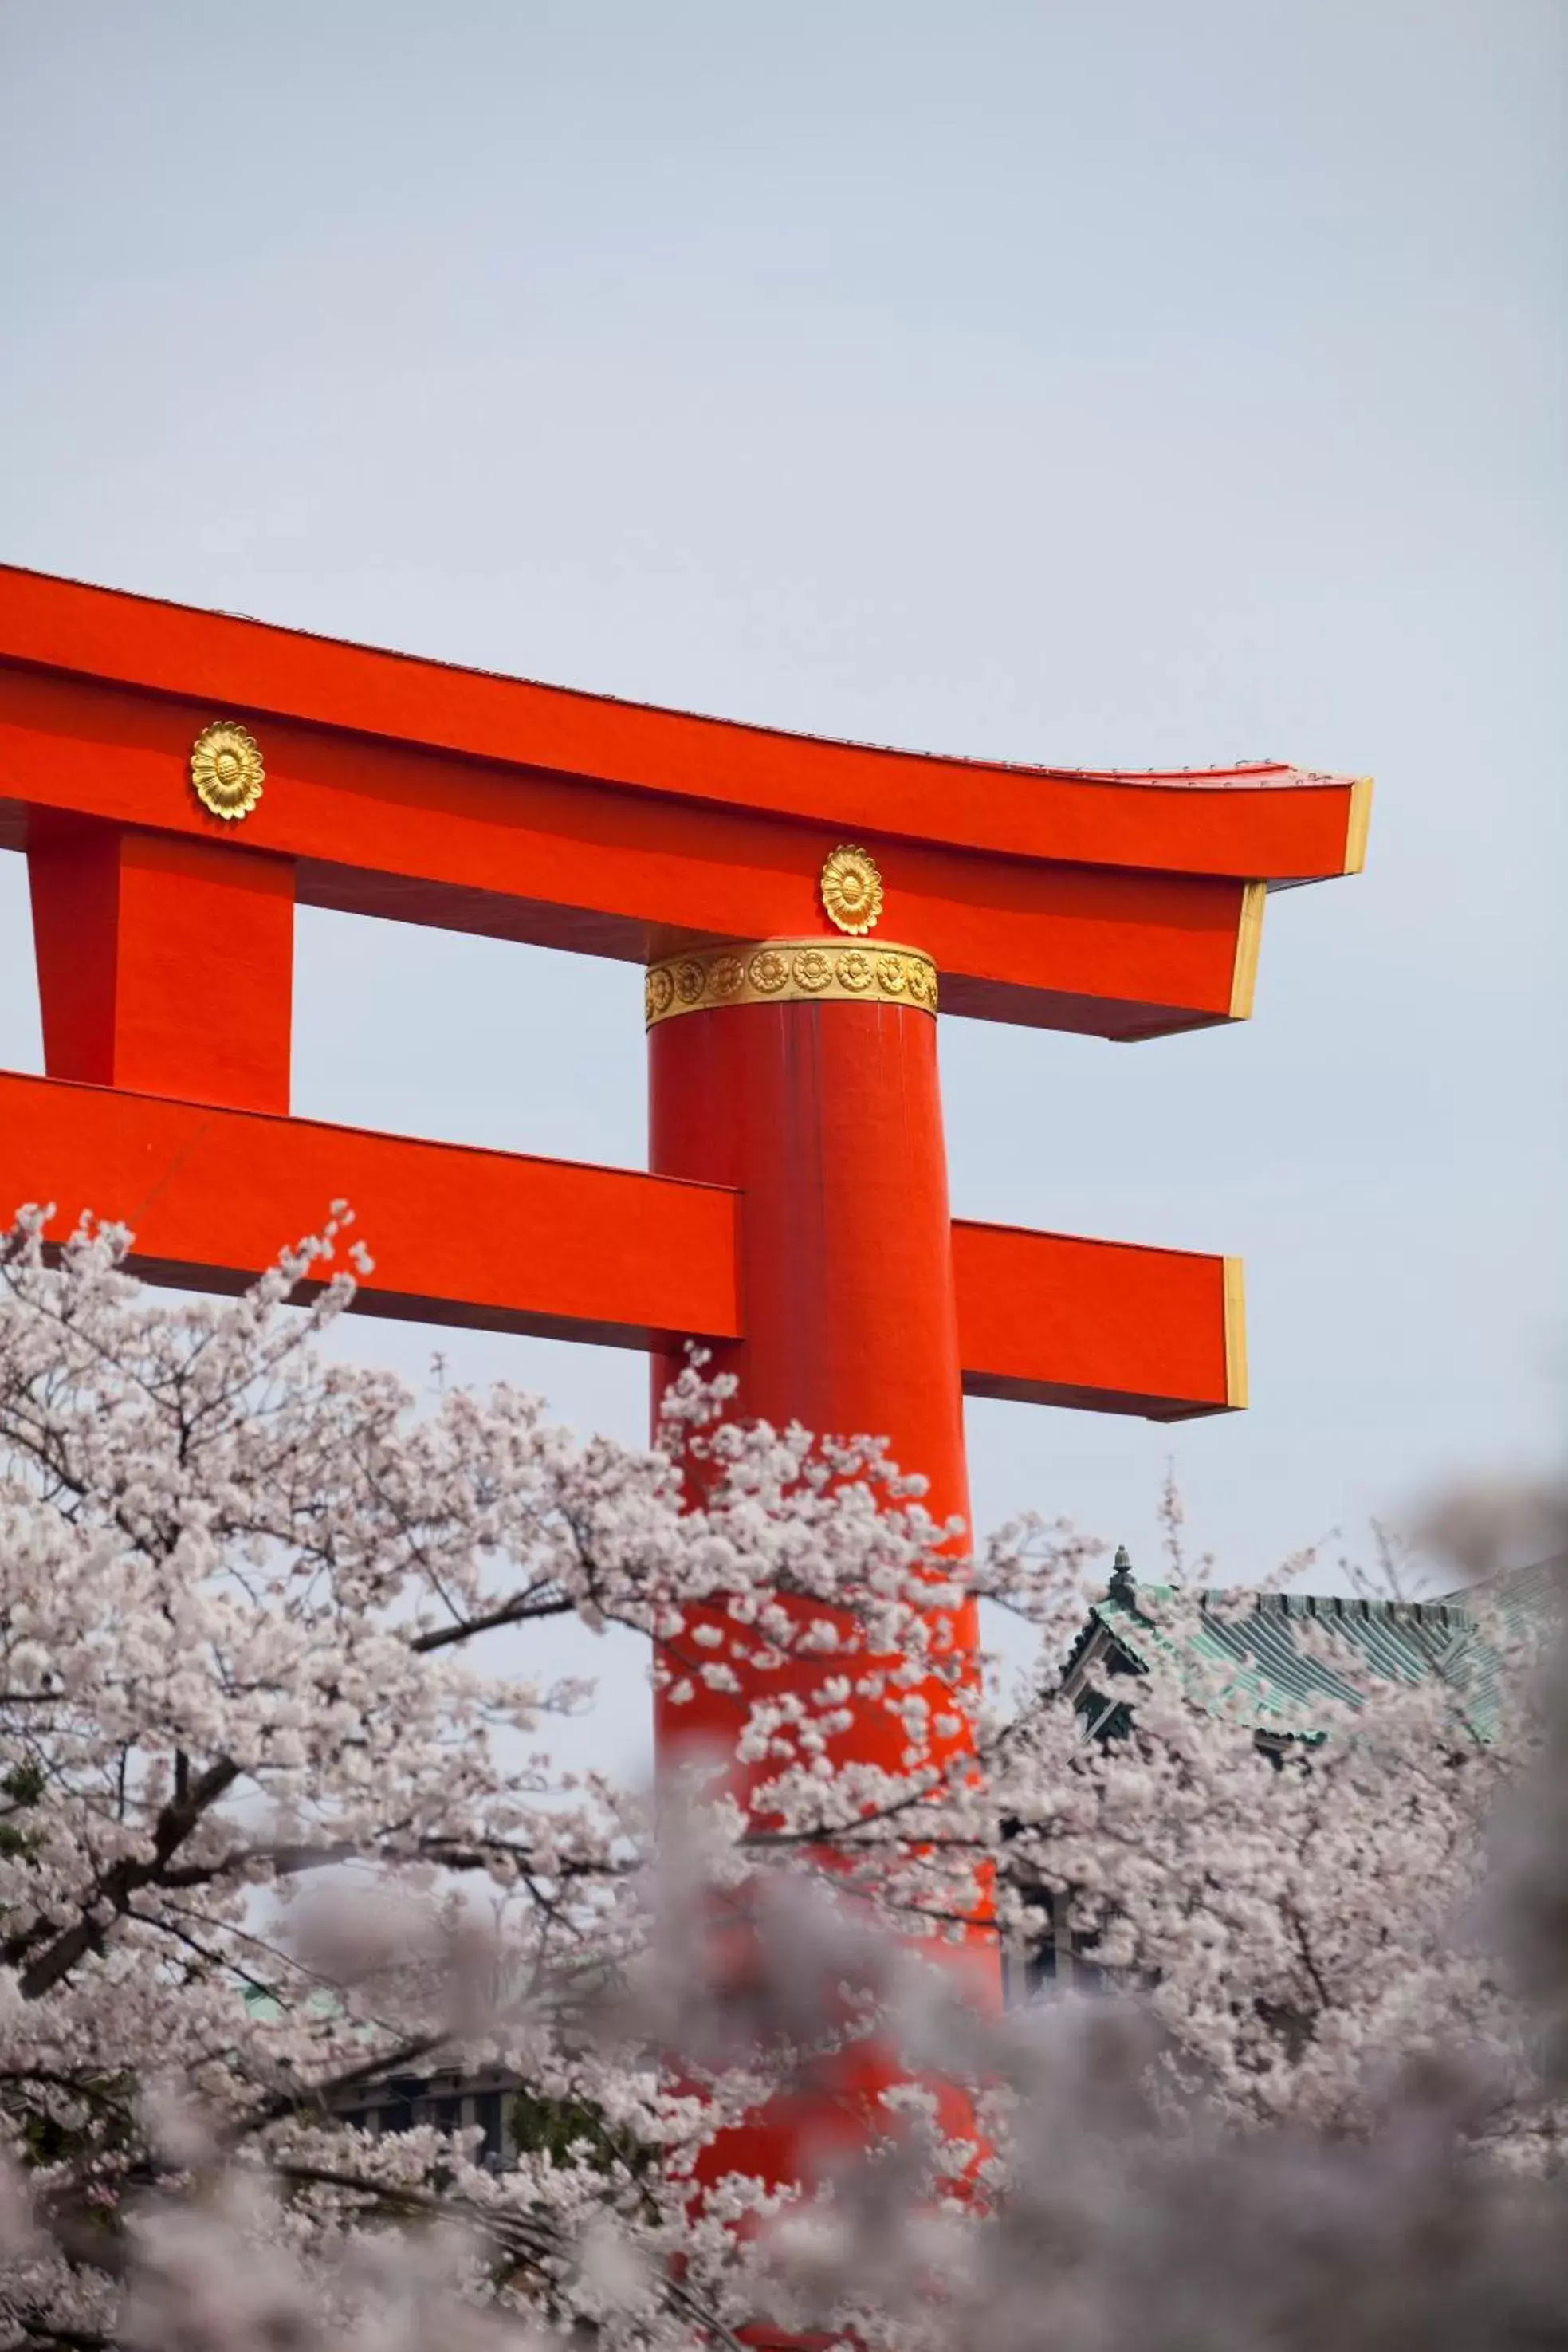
(1289, 1682)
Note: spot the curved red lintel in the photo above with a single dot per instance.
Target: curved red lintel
(1254, 822)
(373, 826)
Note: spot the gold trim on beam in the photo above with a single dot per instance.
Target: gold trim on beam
(789, 972)
(1235, 1335)
(1356, 828)
(1248, 940)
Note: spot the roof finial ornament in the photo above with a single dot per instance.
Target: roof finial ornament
(1123, 1584)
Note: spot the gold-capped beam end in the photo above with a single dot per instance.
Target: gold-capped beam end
(1248, 940)
(1358, 825)
(1236, 1390)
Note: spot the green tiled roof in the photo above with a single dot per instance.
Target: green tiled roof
(263, 2008)
(1250, 1650)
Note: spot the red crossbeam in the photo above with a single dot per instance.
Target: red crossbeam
(486, 1239)
(1051, 1319)
(1122, 906)
(494, 1240)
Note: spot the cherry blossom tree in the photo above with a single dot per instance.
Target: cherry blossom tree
(279, 1817)
(1299, 1890)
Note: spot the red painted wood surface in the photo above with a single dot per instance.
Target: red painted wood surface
(827, 1120)
(485, 1239)
(381, 828)
(591, 1254)
(1266, 822)
(1050, 1318)
(165, 965)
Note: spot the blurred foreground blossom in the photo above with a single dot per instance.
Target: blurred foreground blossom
(279, 1838)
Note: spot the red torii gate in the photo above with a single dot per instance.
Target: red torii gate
(798, 904)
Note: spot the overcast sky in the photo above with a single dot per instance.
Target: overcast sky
(1102, 383)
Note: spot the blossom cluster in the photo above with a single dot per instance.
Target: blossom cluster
(278, 1821)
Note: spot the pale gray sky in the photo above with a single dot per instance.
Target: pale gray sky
(1119, 383)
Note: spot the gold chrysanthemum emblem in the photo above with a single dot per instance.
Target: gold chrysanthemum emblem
(852, 890)
(226, 769)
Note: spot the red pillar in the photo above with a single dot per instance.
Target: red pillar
(803, 1073)
(165, 965)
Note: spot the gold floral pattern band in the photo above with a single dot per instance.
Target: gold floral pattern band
(791, 971)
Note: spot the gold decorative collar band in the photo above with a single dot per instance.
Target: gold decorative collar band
(791, 971)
